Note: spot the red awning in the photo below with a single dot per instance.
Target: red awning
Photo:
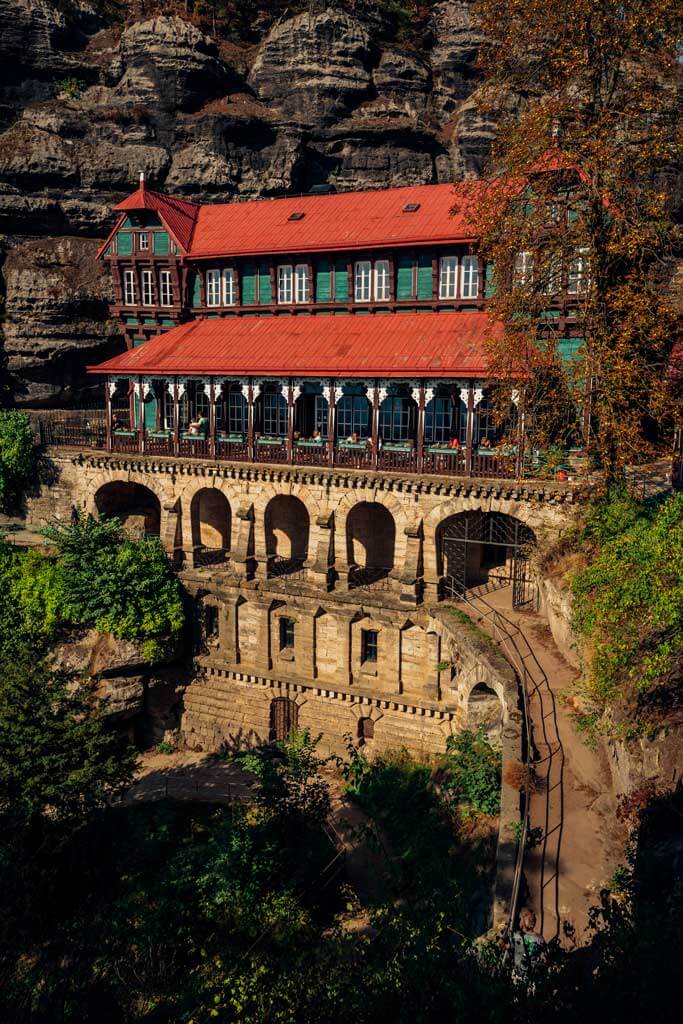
(447, 344)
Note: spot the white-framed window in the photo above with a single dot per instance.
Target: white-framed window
(523, 269)
(229, 289)
(147, 288)
(213, 287)
(382, 287)
(165, 288)
(469, 277)
(129, 287)
(577, 274)
(284, 284)
(143, 241)
(302, 283)
(362, 279)
(448, 277)
(553, 276)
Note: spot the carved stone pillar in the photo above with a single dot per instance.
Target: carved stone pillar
(411, 575)
(321, 566)
(242, 555)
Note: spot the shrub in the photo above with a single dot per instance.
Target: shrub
(17, 455)
(627, 600)
(473, 771)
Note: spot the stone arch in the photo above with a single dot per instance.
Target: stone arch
(211, 519)
(485, 709)
(370, 542)
(287, 526)
(379, 497)
(455, 506)
(135, 505)
(283, 718)
(474, 547)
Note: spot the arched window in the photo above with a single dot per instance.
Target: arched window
(397, 418)
(235, 411)
(353, 416)
(271, 409)
(440, 421)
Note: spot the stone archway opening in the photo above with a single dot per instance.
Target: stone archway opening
(370, 543)
(487, 550)
(287, 526)
(134, 505)
(485, 711)
(211, 526)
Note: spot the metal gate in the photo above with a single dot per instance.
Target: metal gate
(284, 716)
(502, 540)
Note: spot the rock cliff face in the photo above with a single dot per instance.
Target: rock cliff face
(261, 106)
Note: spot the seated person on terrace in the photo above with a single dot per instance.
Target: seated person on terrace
(315, 436)
(455, 444)
(116, 423)
(353, 438)
(486, 442)
(198, 426)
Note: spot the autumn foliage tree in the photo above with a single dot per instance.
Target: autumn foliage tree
(583, 184)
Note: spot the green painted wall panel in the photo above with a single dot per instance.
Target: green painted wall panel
(124, 243)
(151, 413)
(138, 341)
(161, 243)
(404, 277)
(424, 276)
(196, 291)
(323, 281)
(341, 282)
(249, 284)
(265, 292)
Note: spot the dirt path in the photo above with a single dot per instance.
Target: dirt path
(575, 808)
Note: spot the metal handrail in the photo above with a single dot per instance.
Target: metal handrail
(508, 632)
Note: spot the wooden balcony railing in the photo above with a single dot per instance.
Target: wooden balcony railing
(83, 429)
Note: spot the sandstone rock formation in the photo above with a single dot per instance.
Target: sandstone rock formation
(264, 106)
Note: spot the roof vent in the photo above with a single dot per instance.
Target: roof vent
(411, 208)
(322, 189)
(297, 215)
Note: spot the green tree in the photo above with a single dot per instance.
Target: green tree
(473, 771)
(17, 455)
(59, 760)
(115, 584)
(586, 101)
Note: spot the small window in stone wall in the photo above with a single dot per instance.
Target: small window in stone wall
(368, 646)
(211, 621)
(286, 634)
(366, 729)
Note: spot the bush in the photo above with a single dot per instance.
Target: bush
(627, 600)
(17, 456)
(473, 771)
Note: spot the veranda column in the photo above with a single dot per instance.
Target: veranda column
(141, 415)
(176, 416)
(375, 425)
(420, 427)
(250, 419)
(109, 389)
(212, 418)
(331, 392)
(470, 427)
(516, 397)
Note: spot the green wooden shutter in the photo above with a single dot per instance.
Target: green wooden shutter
(124, 243)
(265, 292)
(424, 276)
(136, 410)
(341, 281)
(249, 284)
(489, 282)
(323, 288)
(197, 291)
(568, 348)
(161, 243)
(151, 413)
(404, 277)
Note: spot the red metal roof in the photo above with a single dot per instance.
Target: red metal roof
(340, 221)
(179, 215)
(448, 344)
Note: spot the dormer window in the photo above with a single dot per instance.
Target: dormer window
(129, 287)
(213, 287)
(302, 289)
(448, 277)
(470, 277)
(165, 288)
(293, 284)
(143, 241)
(229, 287)
(147, 289)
